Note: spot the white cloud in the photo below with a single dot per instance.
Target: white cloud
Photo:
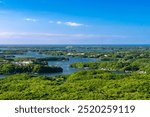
(25, 35)
(73, 24)
(59, 22)
(31, 19)
(40, 35)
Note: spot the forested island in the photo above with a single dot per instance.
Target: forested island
(7, 69)
(119, 72)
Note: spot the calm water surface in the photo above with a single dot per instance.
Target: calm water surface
(63, 64)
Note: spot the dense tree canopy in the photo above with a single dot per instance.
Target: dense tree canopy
(119, 73)
(89, 84)
(32, 68)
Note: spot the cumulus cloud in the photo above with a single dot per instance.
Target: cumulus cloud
(73, 24)
(31, 19)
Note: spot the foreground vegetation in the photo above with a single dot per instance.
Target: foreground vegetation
(89, 84)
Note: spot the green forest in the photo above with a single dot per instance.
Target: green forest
(119, 74)
(82, 85)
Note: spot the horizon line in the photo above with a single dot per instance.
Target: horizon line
(77, 44)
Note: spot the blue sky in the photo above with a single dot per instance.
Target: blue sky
(74, 22)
